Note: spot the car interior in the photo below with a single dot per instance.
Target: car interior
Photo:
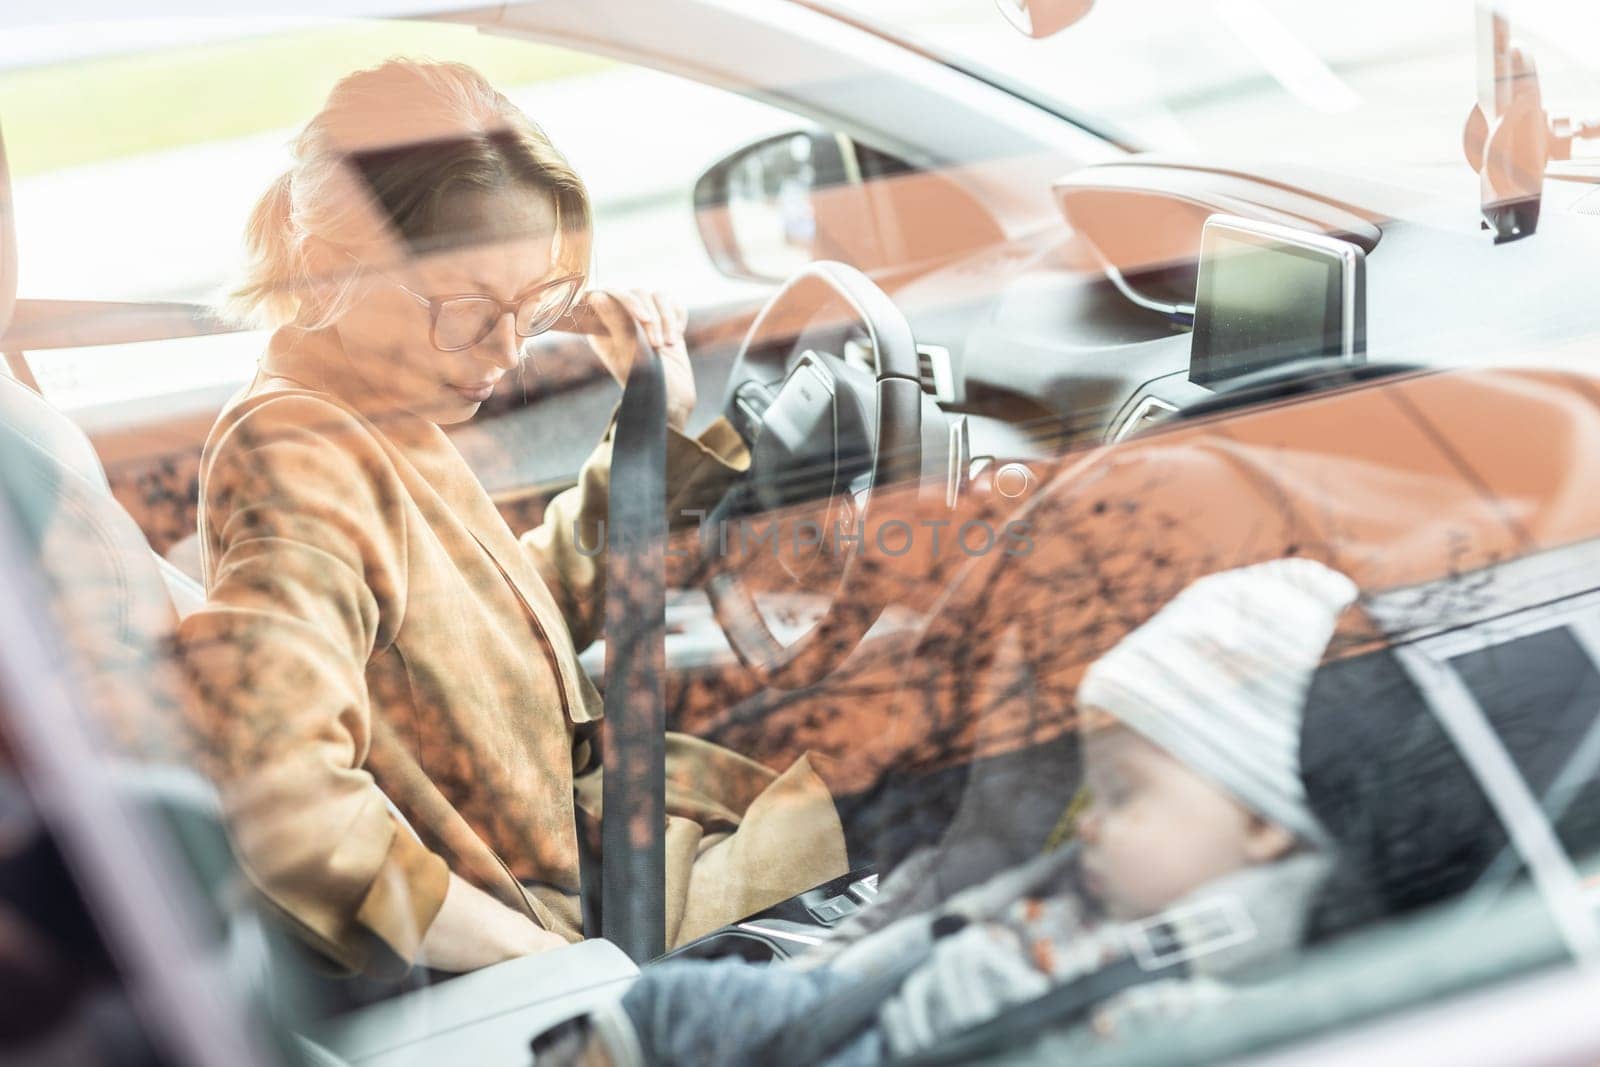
(901, 367)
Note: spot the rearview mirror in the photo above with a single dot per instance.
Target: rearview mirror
(1041, 18)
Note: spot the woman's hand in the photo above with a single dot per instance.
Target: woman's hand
(475, 930)
(664, 321)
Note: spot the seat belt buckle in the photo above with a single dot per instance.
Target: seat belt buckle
(1180, 935)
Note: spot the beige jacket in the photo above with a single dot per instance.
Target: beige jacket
(375, 633)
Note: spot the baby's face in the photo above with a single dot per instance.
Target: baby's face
(1155, 830)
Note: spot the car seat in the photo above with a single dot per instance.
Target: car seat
(115, 605)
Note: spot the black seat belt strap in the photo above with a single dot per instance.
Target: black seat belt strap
(633, 793)
(1058, 1007)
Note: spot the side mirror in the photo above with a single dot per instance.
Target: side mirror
(774, 206)
(1041, 18)
(781, 203)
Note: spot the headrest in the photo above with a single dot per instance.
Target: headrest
(52, 433)
(1411, 822)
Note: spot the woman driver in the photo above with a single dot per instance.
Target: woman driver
(387, 681)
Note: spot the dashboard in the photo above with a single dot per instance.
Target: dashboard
(1082, 333)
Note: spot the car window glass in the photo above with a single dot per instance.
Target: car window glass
(145, 379)
(122, 195)
(154, 213)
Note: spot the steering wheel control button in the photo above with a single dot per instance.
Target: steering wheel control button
(1013, 480)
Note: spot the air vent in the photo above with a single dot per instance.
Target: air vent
(933, 367)
(933, 371)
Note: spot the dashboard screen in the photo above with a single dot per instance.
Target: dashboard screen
(1268, 296)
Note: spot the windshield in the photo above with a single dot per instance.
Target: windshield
(1280, 78)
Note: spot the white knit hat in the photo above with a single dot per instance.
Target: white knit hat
(1218, 678)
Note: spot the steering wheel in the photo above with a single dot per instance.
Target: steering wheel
(793, 425)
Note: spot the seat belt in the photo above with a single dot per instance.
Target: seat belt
(848, 1013)
(1028, 1020)
(633, 818)
(589, 873)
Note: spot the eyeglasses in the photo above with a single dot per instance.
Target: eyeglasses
(465, 319)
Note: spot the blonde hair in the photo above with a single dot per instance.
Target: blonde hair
(402, 137)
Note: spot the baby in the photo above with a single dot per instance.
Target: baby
(1198, 859)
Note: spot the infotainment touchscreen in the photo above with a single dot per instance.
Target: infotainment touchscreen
(1269, 295)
